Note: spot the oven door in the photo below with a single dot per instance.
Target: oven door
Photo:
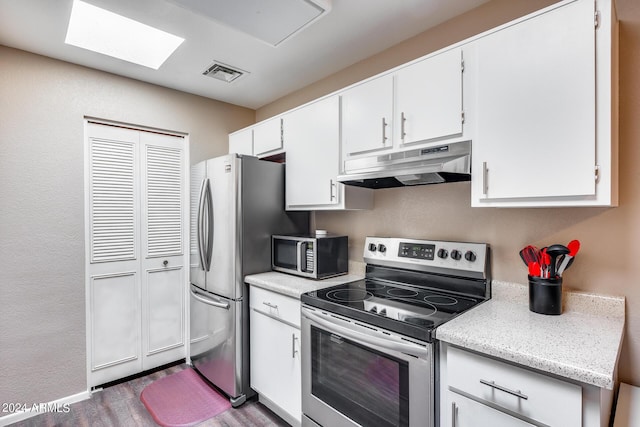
(354, 375)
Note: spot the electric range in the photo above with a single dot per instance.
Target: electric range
(368, 347)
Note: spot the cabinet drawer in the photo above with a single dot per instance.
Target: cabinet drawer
(529, 394)
(275, 305)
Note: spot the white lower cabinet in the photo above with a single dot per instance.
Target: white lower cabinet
(477, 390)
(275, 353)
(465, 412)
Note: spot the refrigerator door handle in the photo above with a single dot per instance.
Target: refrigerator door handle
(209, 230)
(209, 300)
(200, 231)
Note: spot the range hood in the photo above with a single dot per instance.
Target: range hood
(433, 165)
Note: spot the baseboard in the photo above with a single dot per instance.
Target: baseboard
(60, 405)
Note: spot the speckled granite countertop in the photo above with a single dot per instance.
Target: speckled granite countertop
(583, 343)
(295, 286)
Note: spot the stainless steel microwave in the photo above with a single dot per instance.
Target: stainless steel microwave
(313, 256)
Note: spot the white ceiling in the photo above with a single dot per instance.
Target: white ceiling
(353, 30)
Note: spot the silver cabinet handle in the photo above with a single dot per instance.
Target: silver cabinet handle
(485, 173)
(268, 304)
(454, 414)
(332, 185)
(403, 119)
(293, 346)
(281, 132)
(384, 131)
(516, 393)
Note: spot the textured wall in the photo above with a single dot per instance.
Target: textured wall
(42, 292)
(608, 262)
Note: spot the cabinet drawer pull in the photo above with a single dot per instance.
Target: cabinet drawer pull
(516, 393)
(268, 304)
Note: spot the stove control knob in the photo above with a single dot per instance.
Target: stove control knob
(455, 254)
(383, 312)
(374, 309)
(382, 248)
(372, 247)
(443, 253)
(470, 256)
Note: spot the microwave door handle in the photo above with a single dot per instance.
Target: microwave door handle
(301, 258)
(387, 343)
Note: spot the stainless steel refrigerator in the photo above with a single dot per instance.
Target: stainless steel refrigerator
(237, 203)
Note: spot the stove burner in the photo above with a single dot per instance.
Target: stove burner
(349, 295)
(402, 293)
(440, 300)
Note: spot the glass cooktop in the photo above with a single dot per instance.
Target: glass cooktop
(405, 309)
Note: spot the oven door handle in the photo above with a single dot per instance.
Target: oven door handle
(387, 343)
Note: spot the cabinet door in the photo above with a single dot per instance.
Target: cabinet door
(163, 256)
(465, 412)
(429, 98)
(241, 142)
(367, 111)
(536, 107)
(267, 137)
(312, 136)
(275, 362)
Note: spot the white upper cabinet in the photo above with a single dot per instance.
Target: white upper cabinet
(367, 112)
(267, 137)
(429, 98)
(241, 142)
(416, 104)
(537, 85)
(312, 144)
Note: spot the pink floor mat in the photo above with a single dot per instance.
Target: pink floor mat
(182, 399)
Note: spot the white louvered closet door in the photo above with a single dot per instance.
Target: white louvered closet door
(135, 221)
(163, 241)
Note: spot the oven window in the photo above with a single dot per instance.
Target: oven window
(370, 387)
(284, 253)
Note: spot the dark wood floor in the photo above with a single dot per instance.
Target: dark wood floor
(119, 405)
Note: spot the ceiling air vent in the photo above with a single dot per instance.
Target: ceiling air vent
(223, 72)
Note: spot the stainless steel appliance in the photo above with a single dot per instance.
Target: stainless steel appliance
(368, 347)
(318, 256)
(431, 165)
(237, 203)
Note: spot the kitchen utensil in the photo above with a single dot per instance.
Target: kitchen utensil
(554, 251)
(534, 269)
(529, 254)
(544, 260)
(574, 247)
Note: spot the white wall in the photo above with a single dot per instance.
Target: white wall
(43, 103)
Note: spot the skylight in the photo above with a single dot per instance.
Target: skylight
(108, 33)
